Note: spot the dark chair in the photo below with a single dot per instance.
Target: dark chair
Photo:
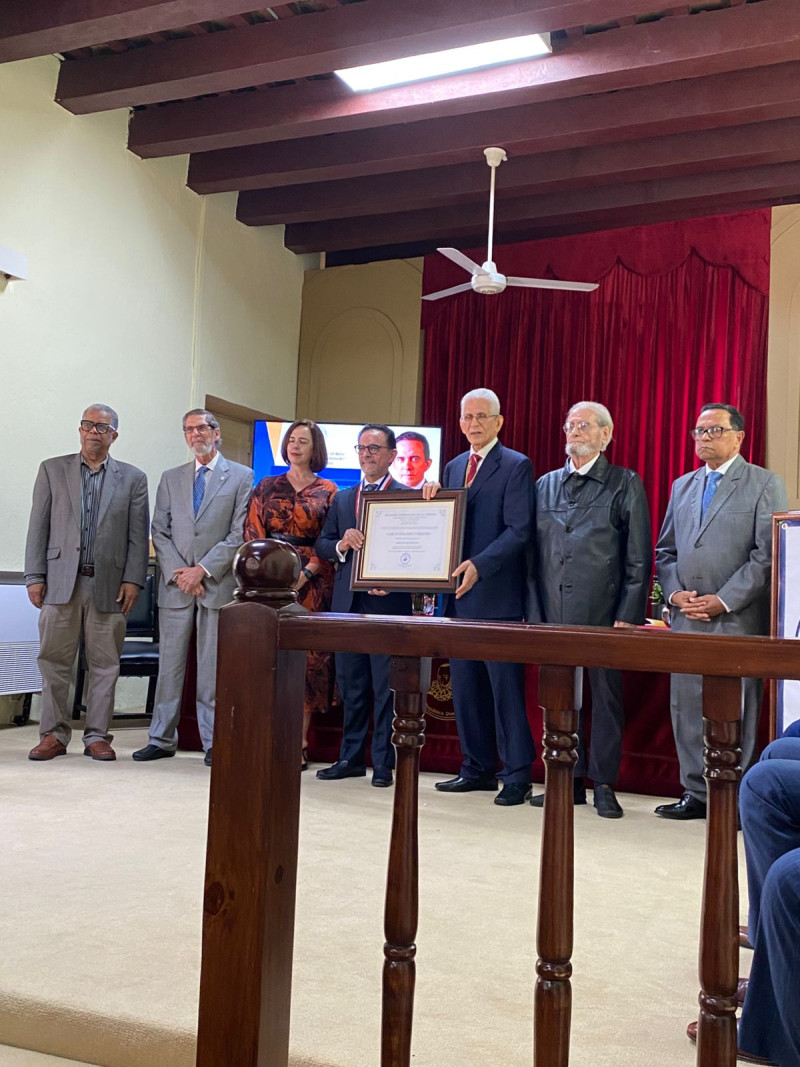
(139, 657)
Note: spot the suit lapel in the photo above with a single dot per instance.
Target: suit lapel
(725, 490)
(460, 471)
(696, 498)
(110, 484)
(485, 471)
(74, 485)
(348, 506)
(215, 481)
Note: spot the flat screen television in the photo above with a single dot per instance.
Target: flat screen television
(340, 439)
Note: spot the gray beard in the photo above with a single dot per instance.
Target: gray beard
(579, 451)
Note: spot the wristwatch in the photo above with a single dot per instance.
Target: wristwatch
(309, 574)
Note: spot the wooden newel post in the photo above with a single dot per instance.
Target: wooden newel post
(719, 943)
(560, 699)
(251, 861)
(410, 679)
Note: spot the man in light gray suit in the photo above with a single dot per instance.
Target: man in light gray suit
(198, 524)
(714, 563)
(85, 561)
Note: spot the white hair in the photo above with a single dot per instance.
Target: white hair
(483, 394)
(602, 413)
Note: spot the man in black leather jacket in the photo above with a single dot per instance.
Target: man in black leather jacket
(594, 560)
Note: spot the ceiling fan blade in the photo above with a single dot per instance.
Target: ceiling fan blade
(552, 283)
(460, 259)
(448, 292)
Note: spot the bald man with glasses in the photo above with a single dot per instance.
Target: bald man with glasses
(714, 563)
(85, 562)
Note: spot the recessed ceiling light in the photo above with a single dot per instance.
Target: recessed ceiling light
(450, 61)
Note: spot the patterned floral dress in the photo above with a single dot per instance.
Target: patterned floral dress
(276, 509)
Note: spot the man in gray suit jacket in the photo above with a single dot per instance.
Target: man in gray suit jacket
(198, 524)
(85, 561)
(714, 563)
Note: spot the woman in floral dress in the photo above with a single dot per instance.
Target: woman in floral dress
(292, 507)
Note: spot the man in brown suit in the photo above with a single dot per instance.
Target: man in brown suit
(85, 561)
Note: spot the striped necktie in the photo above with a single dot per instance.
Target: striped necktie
(472, 469)
(198, 492)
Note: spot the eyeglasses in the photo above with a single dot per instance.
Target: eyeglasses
(200, 428)
(480, 418)
(102, 427)
(580, 426)
(710, 431)
(372, 449)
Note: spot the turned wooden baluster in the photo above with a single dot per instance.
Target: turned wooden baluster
(410, 679)
(251, 862)
(560, 700)
(719, 935)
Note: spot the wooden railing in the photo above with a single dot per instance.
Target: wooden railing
(251, 865)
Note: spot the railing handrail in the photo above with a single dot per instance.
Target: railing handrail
(251, 862)
(641, 649)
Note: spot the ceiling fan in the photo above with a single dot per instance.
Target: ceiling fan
(486, 279)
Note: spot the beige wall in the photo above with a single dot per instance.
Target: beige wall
(783, 363)
(141, 294)
(360, 355)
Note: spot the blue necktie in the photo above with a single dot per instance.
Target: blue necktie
(712, 481)
(199, 489)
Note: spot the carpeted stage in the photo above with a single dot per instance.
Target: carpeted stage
(102, 878)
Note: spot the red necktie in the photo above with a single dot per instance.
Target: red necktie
(472, 469)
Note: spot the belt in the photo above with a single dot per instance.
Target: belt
(291, 540)
(86, 571)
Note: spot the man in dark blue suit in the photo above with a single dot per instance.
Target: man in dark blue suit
(489, 698)
(363, 679)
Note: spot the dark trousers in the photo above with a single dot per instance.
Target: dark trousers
(489, 704)
(769, 802)
(364, 683)
(605, 751)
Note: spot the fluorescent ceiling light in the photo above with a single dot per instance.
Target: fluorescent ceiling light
(451, 61)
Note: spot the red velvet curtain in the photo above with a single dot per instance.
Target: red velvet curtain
(679, 319)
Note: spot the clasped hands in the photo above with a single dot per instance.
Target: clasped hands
(700, 608)
(190, 580)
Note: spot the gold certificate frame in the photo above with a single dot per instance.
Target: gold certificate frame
(410, 544)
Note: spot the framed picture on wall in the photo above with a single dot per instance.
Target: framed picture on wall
(785, 693)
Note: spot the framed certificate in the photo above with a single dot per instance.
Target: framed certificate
(410, 544)
(785, 693)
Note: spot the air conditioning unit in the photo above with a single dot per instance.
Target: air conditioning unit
(19, 641)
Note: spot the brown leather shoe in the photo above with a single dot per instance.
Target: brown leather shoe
(745, 1057)
(100, 750)
(48, 748)
(744, 939)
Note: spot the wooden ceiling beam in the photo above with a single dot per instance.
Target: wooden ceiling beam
(41, 27)
(606, 220)
(721, 191)
(729, 39)
(293, 48)
(720, 100)
(627, 161)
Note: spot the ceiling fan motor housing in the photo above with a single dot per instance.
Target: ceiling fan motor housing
(488, 284)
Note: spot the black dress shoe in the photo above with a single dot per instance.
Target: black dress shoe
(513, 793)
(207, 758)
(382, 777)
(342, 768)
(578, 794)
(460, 784)
(149, 752)
(688, 807)
(606, 803)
